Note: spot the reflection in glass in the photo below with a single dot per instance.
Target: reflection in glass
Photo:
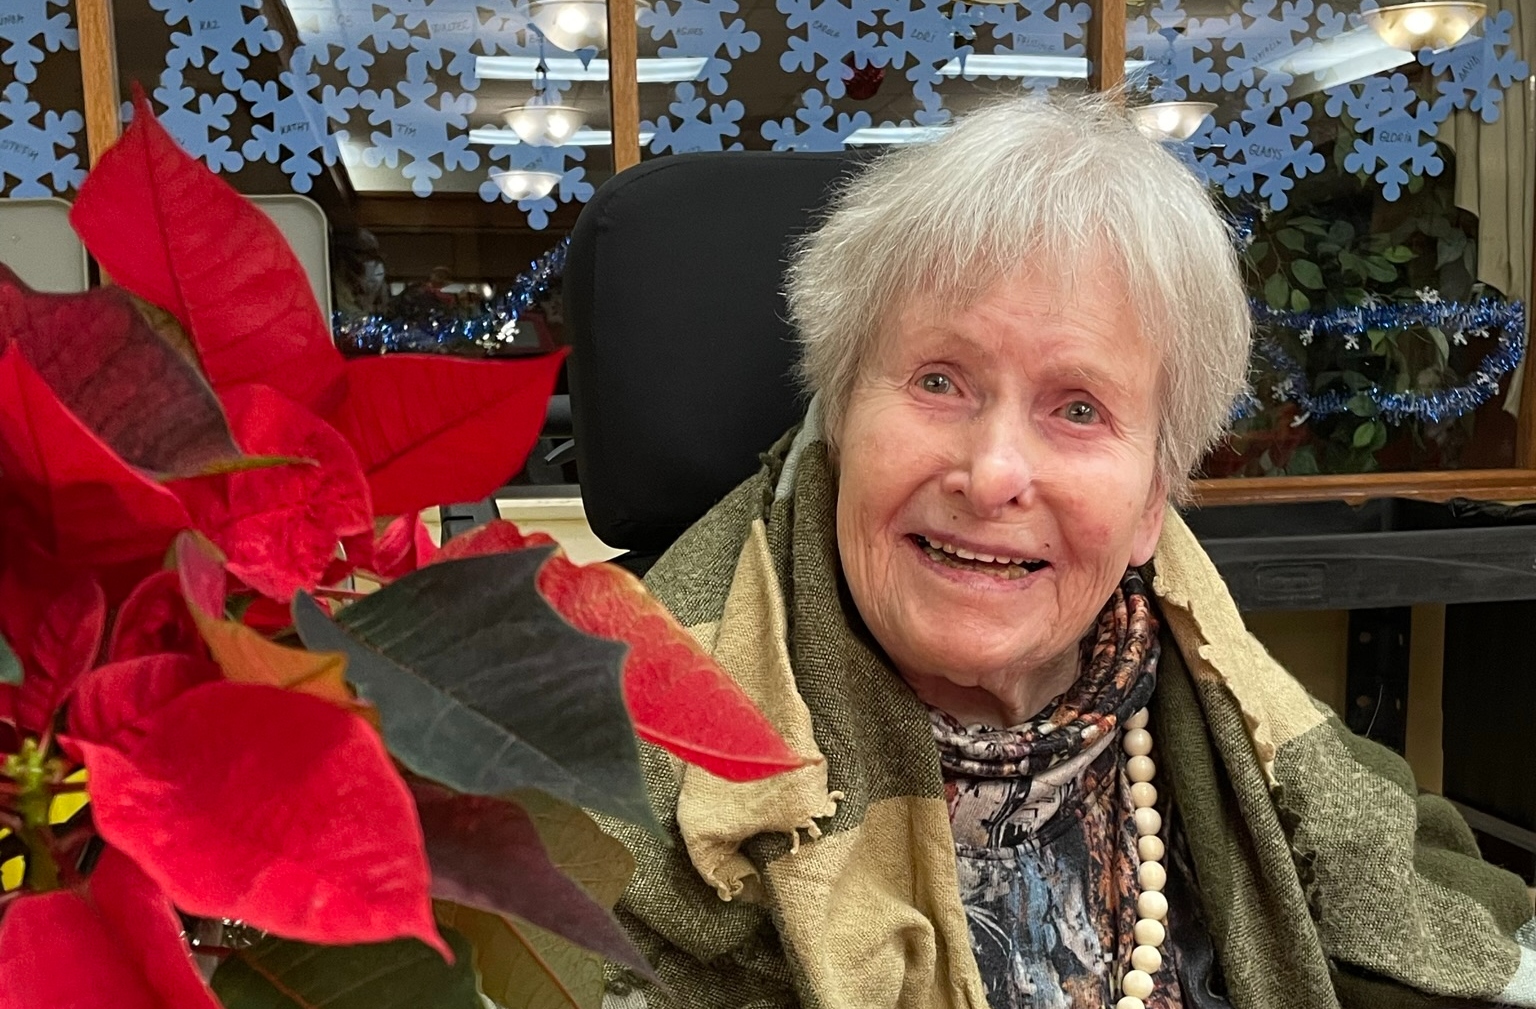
(1414, 26)
(1369, 161)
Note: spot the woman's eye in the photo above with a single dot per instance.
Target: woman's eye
(1079, 412)
(937, 383)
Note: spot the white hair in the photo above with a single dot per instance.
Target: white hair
(1025, 181)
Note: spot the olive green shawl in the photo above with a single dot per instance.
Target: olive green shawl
(1325, 878)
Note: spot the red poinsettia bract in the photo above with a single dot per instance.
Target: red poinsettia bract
(151, 535)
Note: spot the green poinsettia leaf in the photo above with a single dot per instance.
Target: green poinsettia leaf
(406, 974)
(10, 665)
(578, 846)
(487, 853)
(483, 687)
(522, 966)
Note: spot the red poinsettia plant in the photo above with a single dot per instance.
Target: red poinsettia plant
(225, 775)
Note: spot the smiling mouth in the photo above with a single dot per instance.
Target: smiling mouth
(965, 560)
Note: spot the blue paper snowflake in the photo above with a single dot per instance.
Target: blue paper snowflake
(430, 136)
(930, 112)
(23, 23)
(1479, 69)
(1035, 28)
(832, 33)
(221, 27)
(701, 28)
(359, 31)
(572, 187)
(455, 32)
(31, 153)
(1038, 27)
(1177, 47)
(198, 121)
(1263, 154)
(695, 129)
(1327, 22)
(1260, 40)
(302, 112)
(932, 32)
(1396, 130)
(821, 133)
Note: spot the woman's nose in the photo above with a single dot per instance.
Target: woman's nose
(995, 468)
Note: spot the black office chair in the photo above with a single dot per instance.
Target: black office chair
(681, 356)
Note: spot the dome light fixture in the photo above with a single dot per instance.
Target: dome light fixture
(544, 125)
(542, 121)
(575, 24)
(519, 185)
(1171, 120)
(1435, 24)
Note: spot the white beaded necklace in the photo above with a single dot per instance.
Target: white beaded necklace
(1151, 906)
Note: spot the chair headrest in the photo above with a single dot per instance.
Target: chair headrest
(681, 365)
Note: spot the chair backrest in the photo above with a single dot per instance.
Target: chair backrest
(681, 367)
(37, 242)
(308, 232)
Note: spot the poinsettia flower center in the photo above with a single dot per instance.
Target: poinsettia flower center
(33, 774)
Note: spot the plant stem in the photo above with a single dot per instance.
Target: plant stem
(42, 868)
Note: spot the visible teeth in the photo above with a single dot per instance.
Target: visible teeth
(967, 555)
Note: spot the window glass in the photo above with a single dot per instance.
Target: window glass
(397, 120)
(42, 130)
(827, 74)
(439, 149)
(1378, 168)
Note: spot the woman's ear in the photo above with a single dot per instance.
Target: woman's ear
(1149, 525)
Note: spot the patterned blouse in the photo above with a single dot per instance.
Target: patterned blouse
(1044, 840)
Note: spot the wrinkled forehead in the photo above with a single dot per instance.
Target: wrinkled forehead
(1055, 264)
(1065, 284)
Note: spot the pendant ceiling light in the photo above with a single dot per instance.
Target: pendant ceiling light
(524, 185)
(543, 121)
(1435, 25)
(1172, 120)
(575, 24)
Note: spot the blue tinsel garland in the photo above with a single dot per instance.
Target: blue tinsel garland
(1478, 319)
(495, 326)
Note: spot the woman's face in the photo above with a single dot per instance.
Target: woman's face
(997, 477)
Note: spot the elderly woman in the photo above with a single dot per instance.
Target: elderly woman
(1048, 766)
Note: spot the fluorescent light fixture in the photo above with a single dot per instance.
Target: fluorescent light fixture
(1010, 65)
(662, 70)
(894, 135)
(1341, 59)
(502, 137)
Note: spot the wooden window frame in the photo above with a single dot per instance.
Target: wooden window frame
(1107, 53)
